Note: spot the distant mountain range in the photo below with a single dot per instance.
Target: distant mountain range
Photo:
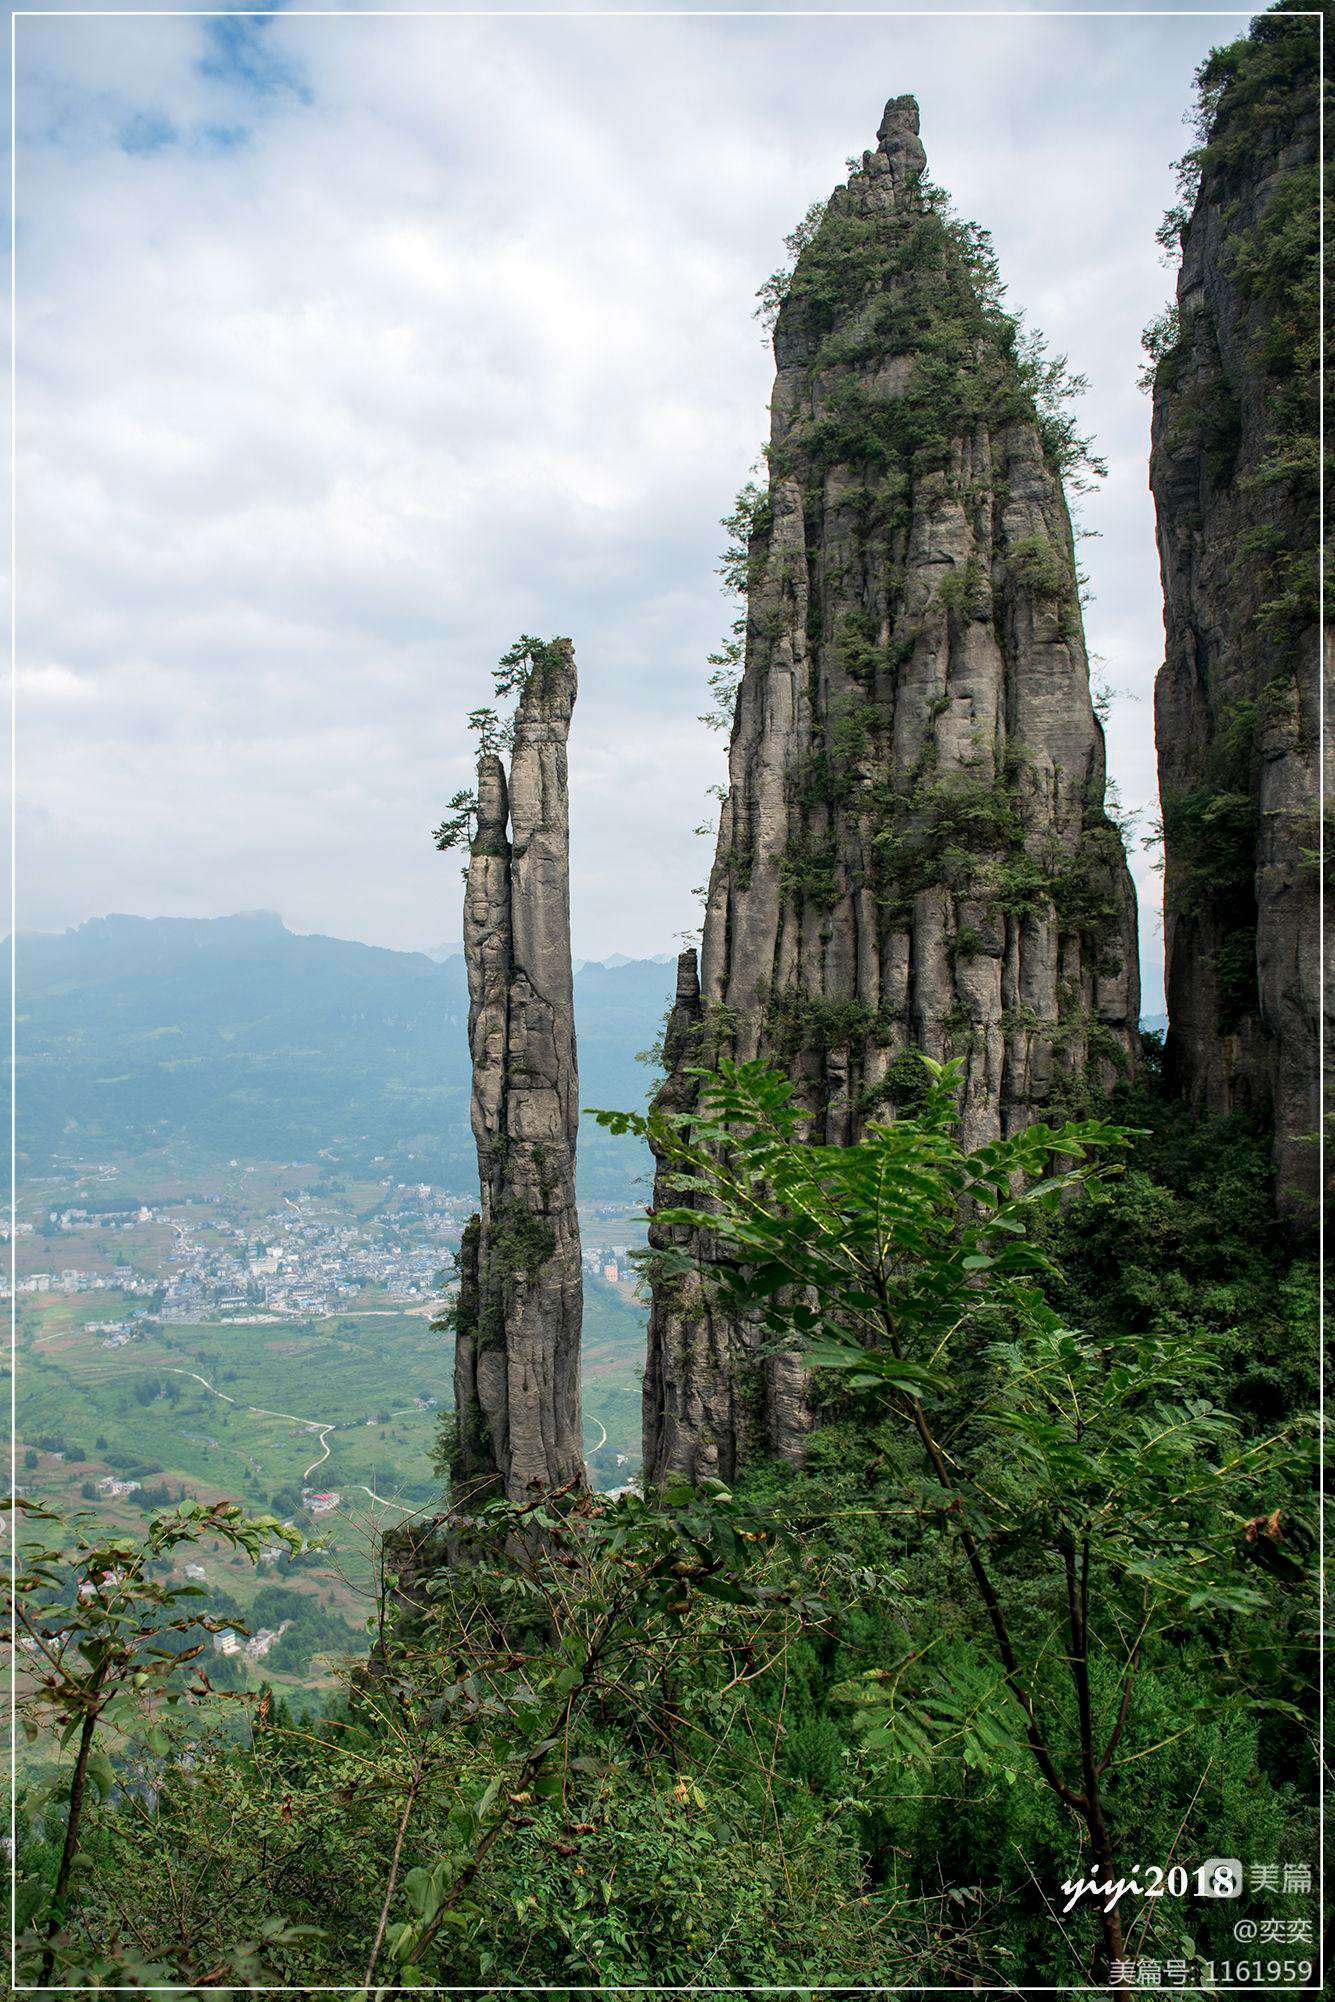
(453, 948)
(198, 1041)
(203, 1040)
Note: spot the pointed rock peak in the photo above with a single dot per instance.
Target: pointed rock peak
(899, 150)
(688, 976)
(900, 121)
(551, 685)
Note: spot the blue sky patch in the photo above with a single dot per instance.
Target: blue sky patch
(239, 53)
(223, 138)
(147, 132)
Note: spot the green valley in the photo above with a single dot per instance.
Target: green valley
(329, 1422)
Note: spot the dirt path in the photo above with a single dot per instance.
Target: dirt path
(320, 1426)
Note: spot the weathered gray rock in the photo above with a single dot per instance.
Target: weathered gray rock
(1233, 470)
(520, 1304)
(914, 850)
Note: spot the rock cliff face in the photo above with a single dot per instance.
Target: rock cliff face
(914, 850)
(516, 1372)
(1234, 474)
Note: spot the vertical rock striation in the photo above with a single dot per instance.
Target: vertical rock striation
(1234, 474)
(914, 850)
(516, 1371)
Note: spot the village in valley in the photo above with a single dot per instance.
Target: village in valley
(272, 1334)
(206, 1258)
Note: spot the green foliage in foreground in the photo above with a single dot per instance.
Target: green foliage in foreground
(108, 1631)
(772, 1735)
(1096, 1486)
(1186, 1243)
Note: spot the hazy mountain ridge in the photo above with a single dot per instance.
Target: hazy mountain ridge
(212, 1038)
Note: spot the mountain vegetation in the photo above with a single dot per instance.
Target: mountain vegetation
(835, 1723)
(967, 1623)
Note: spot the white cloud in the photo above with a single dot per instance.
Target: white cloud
(388, 339)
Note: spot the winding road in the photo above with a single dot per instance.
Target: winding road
(323, 1427)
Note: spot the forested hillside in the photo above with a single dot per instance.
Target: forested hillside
(196, 1041)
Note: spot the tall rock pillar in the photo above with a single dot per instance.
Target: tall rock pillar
(517, 1345)
(1234, 473)
(914, 850)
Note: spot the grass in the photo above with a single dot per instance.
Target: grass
(356, 1373)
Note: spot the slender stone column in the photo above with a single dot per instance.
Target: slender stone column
(517, 1391)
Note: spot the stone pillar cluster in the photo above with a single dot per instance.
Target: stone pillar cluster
(915, 851)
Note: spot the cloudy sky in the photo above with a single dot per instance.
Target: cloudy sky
(351, 345)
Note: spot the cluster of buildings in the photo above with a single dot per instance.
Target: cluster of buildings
(122, 1218)
(88, 1225)
(112, 1485)
(254, 1646)
(115, 1334)
(73, 1279)
(308, 1257)
(608, 1262)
